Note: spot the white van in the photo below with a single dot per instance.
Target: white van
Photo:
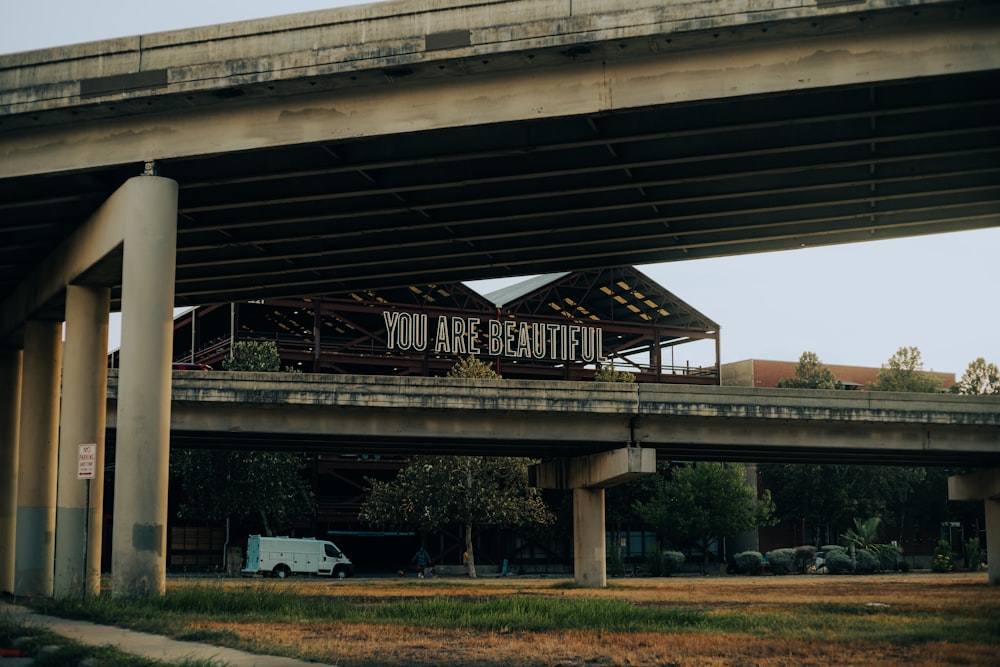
(283, 556)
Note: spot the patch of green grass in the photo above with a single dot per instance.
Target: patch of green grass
(857, 622)
(532, 613)
(174, 613)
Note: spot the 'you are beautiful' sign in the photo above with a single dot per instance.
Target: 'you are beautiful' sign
(496, 338)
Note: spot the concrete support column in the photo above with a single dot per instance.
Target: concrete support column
(10, 421)
(588, 476)
(143, 421)
(589, 546)
(993, 539)
(85, 387)
(983, 485)
(38, 450)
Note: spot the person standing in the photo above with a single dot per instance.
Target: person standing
(422, 558)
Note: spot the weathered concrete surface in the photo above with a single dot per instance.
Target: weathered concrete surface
(979, 485)
(404, 67)
(983, 485)
(539, 418)
(596, 471)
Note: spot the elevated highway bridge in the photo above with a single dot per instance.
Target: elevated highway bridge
(556, 419)
(414, 142)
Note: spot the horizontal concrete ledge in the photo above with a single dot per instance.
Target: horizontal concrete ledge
(979, 485)
(398, 393)
(648, 401)
(413, 33)
(811, 404)
(602, 470)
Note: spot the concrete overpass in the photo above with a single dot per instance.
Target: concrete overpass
(403, 142)
(590, 435)
(557, 419)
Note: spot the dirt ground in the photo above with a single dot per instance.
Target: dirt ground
(367, 645)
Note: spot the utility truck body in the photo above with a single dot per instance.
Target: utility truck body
(283, 556)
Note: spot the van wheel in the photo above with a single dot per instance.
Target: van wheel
(280, 572)
(340, 573)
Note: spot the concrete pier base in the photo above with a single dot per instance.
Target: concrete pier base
(10, 421)
(38, 451)
(85, 388)
(983, 485)
(588, 477)
(143, 436)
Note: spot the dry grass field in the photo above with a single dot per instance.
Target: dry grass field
(916, 619)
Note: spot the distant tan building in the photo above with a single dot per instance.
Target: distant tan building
(765, 373)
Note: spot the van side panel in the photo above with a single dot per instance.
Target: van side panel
(300, 555)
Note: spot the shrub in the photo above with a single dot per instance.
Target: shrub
(803, 556)
(974, 556)
(865, 562)
(671, 562)
(749, 562)
(781, 560)
(944, 558)
(887, 554)
(838, 562)
(830, 548)
(654, 561)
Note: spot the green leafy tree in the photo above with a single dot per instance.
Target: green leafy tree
(828, 497)
(704, 502)
(810, 373)
(242, 485)
(979, 378)
(431, 492)
(608, 373)
(905, 372)
(255, 357)
(235, 484)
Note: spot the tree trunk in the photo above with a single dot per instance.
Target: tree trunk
(267, 526)
(468, 549)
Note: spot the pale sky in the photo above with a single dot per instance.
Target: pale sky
(851, 304)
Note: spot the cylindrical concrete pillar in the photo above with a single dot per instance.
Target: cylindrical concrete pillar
(142, 446)
(993, 538)
(38, 451)
(590, 552)
(10, 421)
(82, 422)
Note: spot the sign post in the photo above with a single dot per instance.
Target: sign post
(86, 464)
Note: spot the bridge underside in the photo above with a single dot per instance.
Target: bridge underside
(412, 160)
(559, 159)
(649, 185)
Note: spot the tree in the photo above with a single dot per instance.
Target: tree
(704, 502)
(243, 485)
(979, 378)
(828, 497)
(431, 492)
(810, 373)
(905, 372)
(255, 357)
(239, 484)
(608, 373)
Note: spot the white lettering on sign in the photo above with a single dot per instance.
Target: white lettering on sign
(86, 462)
(497, 338)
